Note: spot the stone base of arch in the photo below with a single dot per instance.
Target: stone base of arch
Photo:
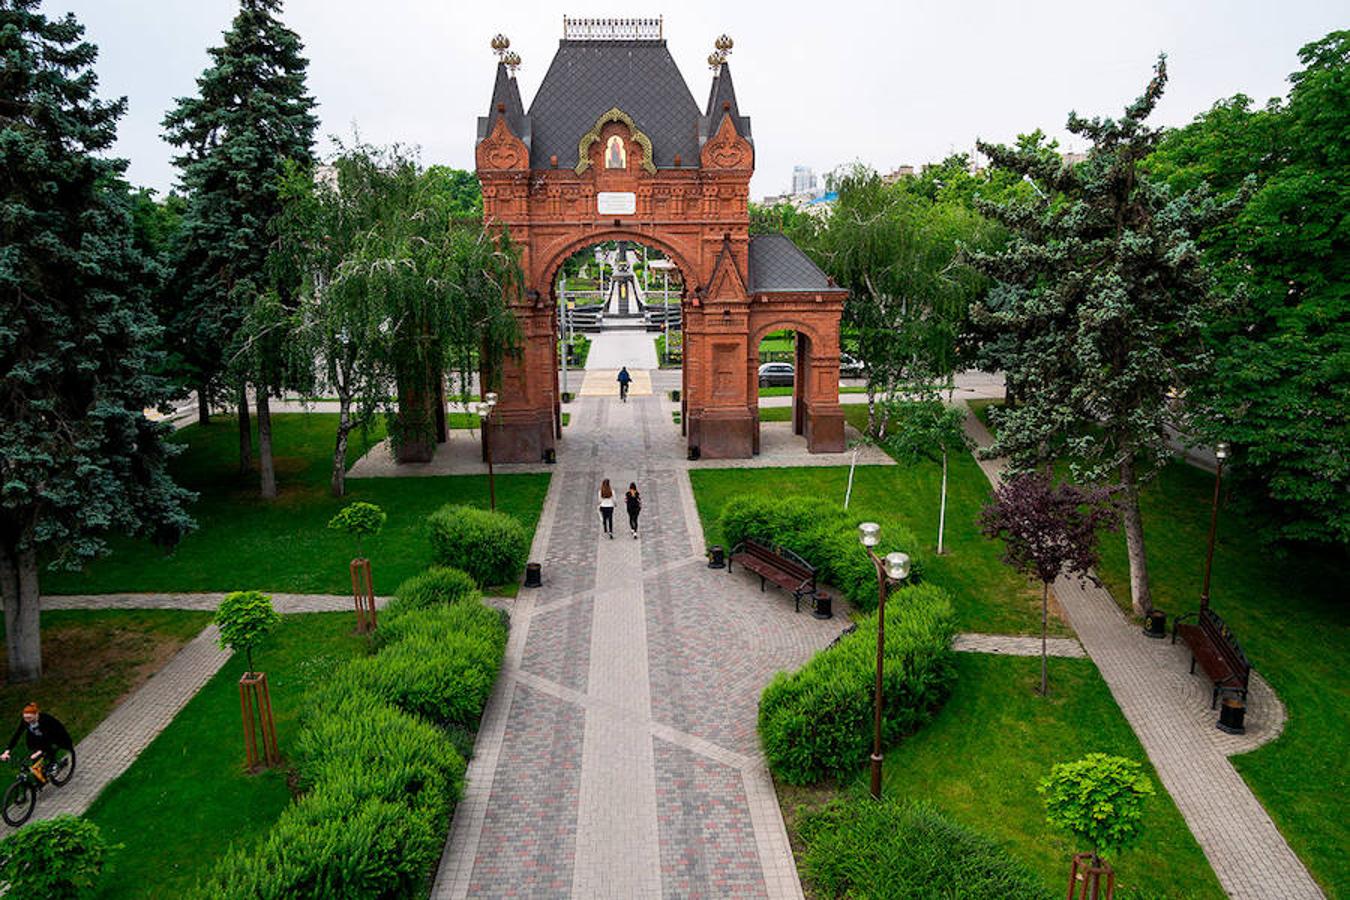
(824, 428)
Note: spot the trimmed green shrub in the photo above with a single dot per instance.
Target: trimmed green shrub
(445, 680)
(816, 723)
(436, 586)
(473, 616)
(490, 546)
(888, 850)
(60, 858)
(822, 534)
(334, 843)
(397, 756)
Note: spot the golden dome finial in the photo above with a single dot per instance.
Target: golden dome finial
(724, 45)
(512, 60)
(499, 44)
(715, 61)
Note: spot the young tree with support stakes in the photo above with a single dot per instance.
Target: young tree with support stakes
(1047, 530)
(1099, 799)
(252, 114)
(244, 619)
(1105, 298)
(361, 520)
(78, 458)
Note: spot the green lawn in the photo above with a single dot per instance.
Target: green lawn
(187, 798)
(983, 755)
(285, 545)
(989, 596)
(1290, 615)
(93, 659)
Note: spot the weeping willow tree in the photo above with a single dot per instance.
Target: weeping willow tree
(400, 286)
(896, 252)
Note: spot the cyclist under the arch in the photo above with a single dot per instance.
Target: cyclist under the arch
(44, 733)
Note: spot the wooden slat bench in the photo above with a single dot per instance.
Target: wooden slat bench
(779, 565)
(1213, 645)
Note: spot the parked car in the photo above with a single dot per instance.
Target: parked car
(850, 367)
(776, 374)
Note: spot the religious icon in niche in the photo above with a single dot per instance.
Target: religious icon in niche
(616, 154)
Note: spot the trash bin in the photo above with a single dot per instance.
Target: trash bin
(675, 395)
(533, 574)
(1232, 716)
(693, 453)
(550, 455)
(1155, 624)
(822, 606)
(716, 557)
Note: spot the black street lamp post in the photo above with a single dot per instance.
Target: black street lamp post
(893, 567)
(485, 414)
(1220, 454)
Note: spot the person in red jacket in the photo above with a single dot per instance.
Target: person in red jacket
(45, 733)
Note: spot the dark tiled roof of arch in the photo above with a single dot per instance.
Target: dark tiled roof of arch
(588, 78)
(777, 264)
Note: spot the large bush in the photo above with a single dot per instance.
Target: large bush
(381, 774)
(333, 843)
(436, 586)
(445, 680)
(889, 850)
(490, 546)
(816, 722)
(822, 534)
(57, 859)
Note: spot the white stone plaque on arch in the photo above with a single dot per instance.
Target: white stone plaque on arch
(616, 203)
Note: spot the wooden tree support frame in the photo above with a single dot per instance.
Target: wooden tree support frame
(1086, 876)
(363, 596)
(260, 733)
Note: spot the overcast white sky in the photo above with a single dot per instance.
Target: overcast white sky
(825, 83)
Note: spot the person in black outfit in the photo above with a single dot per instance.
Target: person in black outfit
(45, 733)
(633, 500)
(623, 379)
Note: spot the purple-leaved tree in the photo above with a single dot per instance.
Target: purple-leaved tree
(1047, 529)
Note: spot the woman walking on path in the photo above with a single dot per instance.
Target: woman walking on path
(633, 500)
(607, 508)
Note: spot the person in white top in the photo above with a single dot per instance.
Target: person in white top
(607, 508)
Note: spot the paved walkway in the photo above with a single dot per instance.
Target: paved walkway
(1169, 710)
(618, 756)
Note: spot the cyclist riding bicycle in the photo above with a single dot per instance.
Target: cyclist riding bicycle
(624, 379)
(44, 733)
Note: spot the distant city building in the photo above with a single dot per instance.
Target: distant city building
(898, 173)
(803, 179)
(1072, 158)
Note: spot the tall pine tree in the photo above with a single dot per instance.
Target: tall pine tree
(78, 458)
(1104, 297)
(251, 115)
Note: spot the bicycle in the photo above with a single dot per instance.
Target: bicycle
(623, 391)
(21, 796)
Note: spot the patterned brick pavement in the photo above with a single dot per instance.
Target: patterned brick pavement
(619, 744)
(1168, 709)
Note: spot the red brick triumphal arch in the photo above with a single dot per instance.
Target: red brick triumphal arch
(614, 146)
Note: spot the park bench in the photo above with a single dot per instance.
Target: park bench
(1213, 645)
(779, 565)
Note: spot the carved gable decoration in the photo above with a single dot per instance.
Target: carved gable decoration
(502, 150)
(614, 115)
(726, 282)
(727, 149)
